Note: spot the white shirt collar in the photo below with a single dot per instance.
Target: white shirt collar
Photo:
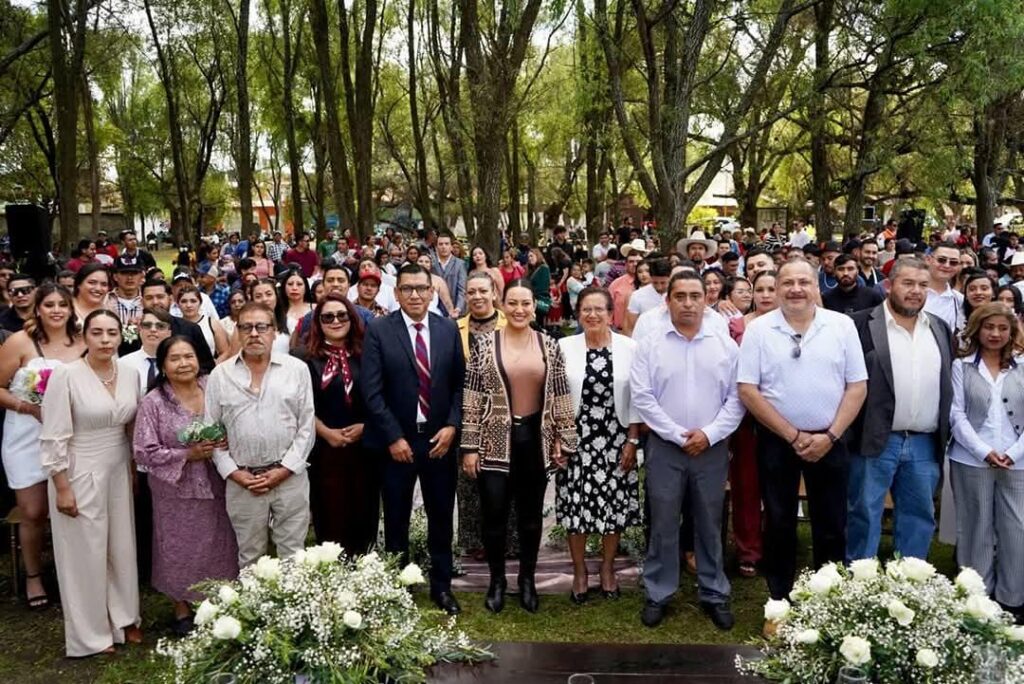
(409, 323)
(921, 323)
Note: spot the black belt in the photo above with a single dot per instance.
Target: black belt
(910, 433)
(259, 470)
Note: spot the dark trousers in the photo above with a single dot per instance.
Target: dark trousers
(437, 478)
(143, 527)
(779, 470)
(344, 496)
(525, 484)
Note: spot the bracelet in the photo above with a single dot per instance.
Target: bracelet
(831, 437)
(793, 441)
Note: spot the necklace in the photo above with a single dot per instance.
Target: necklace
(517, 351)
(109, 381)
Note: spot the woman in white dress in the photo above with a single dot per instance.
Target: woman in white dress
(265, 292)
(85, 450)
(49, 339)
(190, 303)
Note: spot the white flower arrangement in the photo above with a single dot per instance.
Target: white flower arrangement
(902, 624)
(319, 615)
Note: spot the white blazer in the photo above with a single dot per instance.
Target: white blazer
(574, 349)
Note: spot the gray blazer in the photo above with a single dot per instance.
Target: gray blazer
(870, 432)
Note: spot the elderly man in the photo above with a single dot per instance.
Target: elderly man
(265, 401)
(899, 440)
(802, 377)
(683, 381)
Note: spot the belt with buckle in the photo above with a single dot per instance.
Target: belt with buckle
(259, 470)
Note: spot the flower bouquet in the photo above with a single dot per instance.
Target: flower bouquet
(320, 616)
(901, 623)
(29, 384)
(129, 333)
(202, 431)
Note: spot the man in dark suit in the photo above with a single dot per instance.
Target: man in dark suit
(413, 370)
(899, 438)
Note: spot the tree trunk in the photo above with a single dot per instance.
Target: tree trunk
(421, 187)
(291, 62)
(532, 225)
(821, 195)
(515, 221)
(92, 145)
(359, 107)
(243, 141)
(989, 129)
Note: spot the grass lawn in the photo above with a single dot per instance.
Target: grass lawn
(32, 646)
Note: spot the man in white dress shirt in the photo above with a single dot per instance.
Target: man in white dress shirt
(802, 376)
(265, 401)
(651, 295)
(943, 300)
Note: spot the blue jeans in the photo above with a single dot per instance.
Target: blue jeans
(908, 468)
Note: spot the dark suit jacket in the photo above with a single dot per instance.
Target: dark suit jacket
(179, 326)
(390, 384)
(871, 430)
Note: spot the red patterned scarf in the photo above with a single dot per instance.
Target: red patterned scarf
(337, 363)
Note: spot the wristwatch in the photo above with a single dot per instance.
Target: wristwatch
(634, 441)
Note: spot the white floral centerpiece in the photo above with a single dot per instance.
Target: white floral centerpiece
(319, 615)
(901, 623)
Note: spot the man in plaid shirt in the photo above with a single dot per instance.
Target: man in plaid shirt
(276, 248)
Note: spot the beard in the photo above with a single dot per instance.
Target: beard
(902, 310)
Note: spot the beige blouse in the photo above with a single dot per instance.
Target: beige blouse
(81, 420)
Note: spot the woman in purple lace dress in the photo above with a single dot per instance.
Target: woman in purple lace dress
(192, 536)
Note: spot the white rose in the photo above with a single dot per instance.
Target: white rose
(411, 575)
(808, 636)
(227, 594)
(864, 569)
(981, 607)
(821, 582)
(267, 568)
(895, 570)
(227, 627)
(328, 552)
(305, 557)
(346, 599)
(856, 650)
(928, 658)
(352, 619)
(369, 559)
(1014, 632)
(205, 612)
(917, 570)
(776, 611)
(900, 612)
(970, 581)
(249, 583)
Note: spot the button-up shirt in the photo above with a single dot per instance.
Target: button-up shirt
(274, 423)
(658, 318)
(948, 305)
(682, 385)
(970, 447)
(645, 299)
(807, 389)
(916, 367)
(410, 326)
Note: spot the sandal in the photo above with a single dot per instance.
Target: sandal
(39, 601)
(133, 634)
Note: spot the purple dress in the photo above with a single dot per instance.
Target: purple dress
(192, 536)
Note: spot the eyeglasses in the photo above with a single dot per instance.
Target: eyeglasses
(329, 318)
(796, 338)
(593, 312)
(409, 289)
(947, 261)
(154, 325)
(18, 291)
(261, 328)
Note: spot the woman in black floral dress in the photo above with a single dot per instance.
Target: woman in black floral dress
(598, 493)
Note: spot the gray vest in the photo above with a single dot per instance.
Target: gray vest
(978, 396)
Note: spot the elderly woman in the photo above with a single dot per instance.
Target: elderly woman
(344, 481)
(598, 493)
(85, 450)
(987, 452)
(517, 423)
(192, 536)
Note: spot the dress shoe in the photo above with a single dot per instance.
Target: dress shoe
(495, 599)
(653, 613)
(528, 598)
(719, 613)
(182, 626)
(445, 600)
(579, 599)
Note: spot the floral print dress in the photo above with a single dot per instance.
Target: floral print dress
(594, 495)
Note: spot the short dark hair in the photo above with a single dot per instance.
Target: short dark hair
(411, 269)
(844, 259)
(332, 265)
(685, 275)
(729, 256)
(757, 251)
(947, 244)
(20, 276)
(246, 263)
(152, 282)
(659, 268)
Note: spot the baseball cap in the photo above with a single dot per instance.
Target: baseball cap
(128, 263)
(904, 246)
(369, 275)
(831, 246)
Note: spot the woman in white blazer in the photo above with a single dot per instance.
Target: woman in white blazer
(598, 492)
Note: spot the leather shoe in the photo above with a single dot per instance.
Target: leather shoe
(495, 599)
(445, 600)
(528, 598)
(719, 613)
(579, 599)
(653, 613)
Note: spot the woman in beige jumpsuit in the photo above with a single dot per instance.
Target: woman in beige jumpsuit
(85, 450)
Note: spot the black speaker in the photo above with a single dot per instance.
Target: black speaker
(911, 225)
(28, 227)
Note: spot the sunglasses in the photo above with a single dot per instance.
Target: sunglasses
(19, 291)
(330, 318)
(947, 261)
(154, 325)
(796, 338)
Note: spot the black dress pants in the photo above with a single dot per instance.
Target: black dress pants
(524, 483)
(779, 469)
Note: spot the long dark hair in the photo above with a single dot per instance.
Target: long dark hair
(87, 271)
(353, 342)
(162, 350)
(307, 293)
(280, 308)
(96, 314)
(972, 275)
(518, 282)
(32, 326)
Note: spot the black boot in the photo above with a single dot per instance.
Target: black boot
(495, 599)
(528, 598)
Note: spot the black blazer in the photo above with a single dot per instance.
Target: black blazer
(179, 326)
(390, 384)
(871, 430)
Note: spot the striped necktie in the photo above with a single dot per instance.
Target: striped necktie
(423, 370)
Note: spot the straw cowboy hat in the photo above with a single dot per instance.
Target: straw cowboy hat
(697, 236)
(1017, 259)
(637, 245)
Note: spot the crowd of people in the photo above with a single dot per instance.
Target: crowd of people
(873, 374)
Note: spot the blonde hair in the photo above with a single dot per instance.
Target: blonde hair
(971, 333)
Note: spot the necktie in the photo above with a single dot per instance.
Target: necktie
(151, 374)
(423, 370)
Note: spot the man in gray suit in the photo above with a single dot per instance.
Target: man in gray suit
(899, 438)
(453, 270)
